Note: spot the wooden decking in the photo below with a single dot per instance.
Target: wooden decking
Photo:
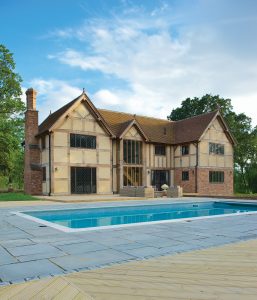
(227, 272)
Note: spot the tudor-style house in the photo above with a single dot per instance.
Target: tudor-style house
(80, 149)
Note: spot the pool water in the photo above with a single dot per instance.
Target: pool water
(113, 216)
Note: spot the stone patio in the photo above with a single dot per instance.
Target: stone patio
(29, 251)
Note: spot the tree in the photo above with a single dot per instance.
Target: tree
(193, 107)
(11, 114)
(245, 156)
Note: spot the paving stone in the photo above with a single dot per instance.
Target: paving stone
(6, 258)
(127, 246)
(91, 259)
(32, 249)
(37, 256)
(112, 241)
(30, 269)
(159, 242)
(15, 243)
(145, 252)
(78, 248)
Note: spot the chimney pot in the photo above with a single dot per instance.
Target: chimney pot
(31, 99)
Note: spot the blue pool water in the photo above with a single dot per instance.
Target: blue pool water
(111, 216)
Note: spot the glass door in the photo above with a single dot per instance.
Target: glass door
(160, 177)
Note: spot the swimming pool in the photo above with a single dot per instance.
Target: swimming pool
(72, 220)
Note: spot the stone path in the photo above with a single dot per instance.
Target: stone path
(224, 273)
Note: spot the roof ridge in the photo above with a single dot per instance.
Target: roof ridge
(203, 114)
(134, 115)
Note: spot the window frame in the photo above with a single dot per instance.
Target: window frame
(216, 177)
(160, 150)
(183, 177)
(132, 152)
(216, 148)
(44, 174)
(183, 152)
(76, 141)
(132, 175)
(43, 142)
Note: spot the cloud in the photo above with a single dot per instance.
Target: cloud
(52, 94)
(169, 53)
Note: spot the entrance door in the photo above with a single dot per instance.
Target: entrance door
(160, 177)
(83, 180)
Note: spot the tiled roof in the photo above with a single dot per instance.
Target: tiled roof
(191, 129)
(157, 130)
(52, 118)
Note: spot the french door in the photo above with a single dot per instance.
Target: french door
(83, 180)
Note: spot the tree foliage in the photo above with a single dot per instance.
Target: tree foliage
(11, 117)
(245, 155)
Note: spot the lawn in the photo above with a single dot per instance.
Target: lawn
(16, 197)
(249, 196)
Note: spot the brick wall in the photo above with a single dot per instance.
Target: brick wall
(204, 186)
(219, 189)
(32, 169)
(187, 185)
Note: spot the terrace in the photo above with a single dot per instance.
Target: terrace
(205, 258)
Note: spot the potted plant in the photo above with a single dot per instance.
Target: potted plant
(164, 188)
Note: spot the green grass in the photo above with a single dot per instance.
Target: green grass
(246, 195)
(16, 197)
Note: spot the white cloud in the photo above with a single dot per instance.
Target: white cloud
(106, 98)
(165, 58)
(52, 94)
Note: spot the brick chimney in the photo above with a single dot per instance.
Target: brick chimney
(32, 169)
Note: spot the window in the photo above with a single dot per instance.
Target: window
(216, 177)
(132, 176)
(132, 152)
(43, 142)
(185, 175)
(185, 150)
(82, 141)
(83, 180)
(160, 150)
(216, 148)
(44, 173)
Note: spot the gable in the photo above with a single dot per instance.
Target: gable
(133, 133)
(80, 119)
(217, 131)
(80, 108)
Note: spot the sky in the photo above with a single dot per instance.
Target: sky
(142, 57)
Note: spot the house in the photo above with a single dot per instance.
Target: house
(82, 149)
